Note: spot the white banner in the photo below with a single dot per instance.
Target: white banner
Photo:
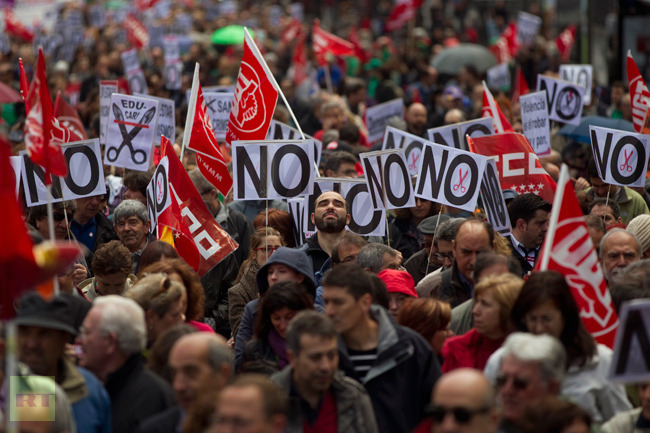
(388, 179)
(534, 118)
(412, 145)
(621, 156)
(582, 75)
(173, 65)
(498, 77)
(493, 202)
(16, 163)
(158, 196)
(134, 75)
(282, 131)
(377, 117)
(297, 209)
(106, 89)
(631, 360)
(563, 99)
(527, 27)
(166, 120)
(454, 135)
(218, 105)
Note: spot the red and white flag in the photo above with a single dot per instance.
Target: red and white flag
(326, 42)
(639, 94)
(24, 85)
(403, 11)
(507, 45)
(14, 27)
(199, 136)
(565, 41)
(256, 94)
(143, 5)
(521, 86)
(136, 32)
(192, 218)
(491, 109)
(569, 250)
(68, 117)
(299, 60)
(518, 165)
(291, 31)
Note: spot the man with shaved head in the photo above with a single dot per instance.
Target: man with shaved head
(416, 119)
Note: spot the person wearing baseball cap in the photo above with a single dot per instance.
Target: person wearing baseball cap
(400, 286)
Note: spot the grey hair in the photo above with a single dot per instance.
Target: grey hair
(371, 256)
(200, 182)
(125, 318)
(545, 350)
(218, 354)
(130, 208)
(619, 230)
(447, 231)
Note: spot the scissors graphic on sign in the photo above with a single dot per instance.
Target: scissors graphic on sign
(460, 185)
(139, 156)
(626, 166)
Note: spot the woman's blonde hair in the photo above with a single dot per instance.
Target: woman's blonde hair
(505, 288)
(156, 292)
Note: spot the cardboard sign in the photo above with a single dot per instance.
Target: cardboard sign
(450, 176)
(131, 131)
(218, 105)
(493, 201)
(534, 118)
(106, 89)
(412, 145)
(85, 174)
(388, 179)
(272, 169)
(166, 121)
(282, 131)
(563, 99)
(498, 77)
(631, 360)
(621, 156)
(134, 75)
(454, 135)
(364, 220)
(527, 27)
(582, 75)
(377, 117)
(173, 65)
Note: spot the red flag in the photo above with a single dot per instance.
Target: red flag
(569, 250)
(199, 136)
(211, 241)
(299, 61)
(44, 135)
(255, 97)
(68, 117)
(402, 12)
(565, 41)
(14, 27)
(291, 31)
(143, 5)
(24, 85)
(136, 32)
(326, 42)
(358, 49)
(521, 86)
(492, 109)
(518, 165)
(639, 93)
(507, 45)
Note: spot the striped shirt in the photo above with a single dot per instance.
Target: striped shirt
(362, 360)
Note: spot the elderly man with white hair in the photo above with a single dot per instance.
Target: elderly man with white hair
(112, 338)
(618, 249)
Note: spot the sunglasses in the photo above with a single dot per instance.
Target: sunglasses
(518, 383)
(58, 217)
(462, 415)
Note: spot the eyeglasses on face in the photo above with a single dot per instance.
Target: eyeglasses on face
(462, 415)
(518, 383)
(269, 249)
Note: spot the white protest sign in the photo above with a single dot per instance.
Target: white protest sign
(131, 131)
(621, 156)
(388, 179)
(527, 27)
(297, 210)
(151, 211)
(218, 105)
(272, 169)
(631, 360)
(166, 121)
(173, 65)
(534, 118)
(582, 75)
(85, 174)
(364, 220)
(498, 76)
(493, 201)
(455, 135)
(16, 162)
(160, 198)
(221, 89)
(412, 145)
(106, 89)
(377, 117)
(282, 131)
(134, 75)
(563, 99)
(450, 176)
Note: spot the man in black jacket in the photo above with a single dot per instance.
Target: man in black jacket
(395, 364)
(90, 226)
(529, 216)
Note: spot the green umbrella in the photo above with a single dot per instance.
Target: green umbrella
(230, 35)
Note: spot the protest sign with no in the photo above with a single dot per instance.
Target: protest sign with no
(581, 75)
(131, 131)
(631, 360)
(493, 201)
(106, 89)
(272, 169)
(455, 135)
(563, 99)
(621, 156)
(297, 209)
(388, 179)
(166, 121)
(282, 131)
(534, 118)
(412, 145)
(377, 117)
(158, 195)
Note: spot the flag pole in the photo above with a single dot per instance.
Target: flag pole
(328, 79)
(435, 230)
(187, 132)
(555, 215)
(50, 226)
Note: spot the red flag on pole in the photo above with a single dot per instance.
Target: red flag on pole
(565, 41)
(403, 11)
(299, 60)
(569, 250)
(639, 94)
(136, 32)
(14, 27)
(68, 117)
(326, 42)
(518, 165)
(255, 97)
(491, 109)
(143, 5)
(24, 85)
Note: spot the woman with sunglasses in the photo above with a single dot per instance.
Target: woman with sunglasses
(546, 306)
(263, 243)
(493, 299)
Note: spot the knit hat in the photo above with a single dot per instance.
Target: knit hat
(398, 282)
(640, 227)
(292, 258)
